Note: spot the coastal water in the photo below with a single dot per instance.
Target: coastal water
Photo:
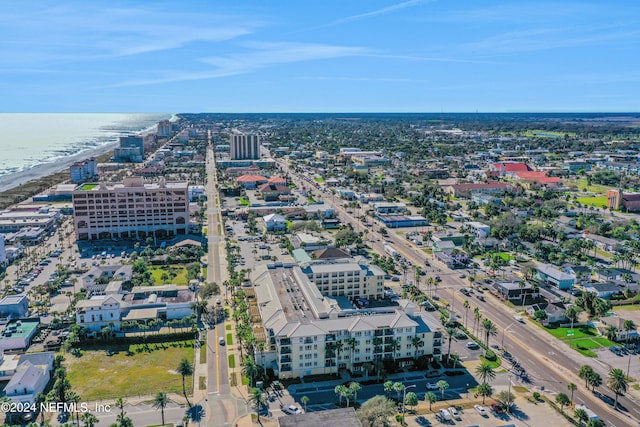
(33, 140)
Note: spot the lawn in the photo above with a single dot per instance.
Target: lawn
(229, 339)
(319, 179)
(244, 201)
(584, 339)
(107, 373)
(505, 256)
(232, 361)
(582, 185)
(177, 275)
(597, 201)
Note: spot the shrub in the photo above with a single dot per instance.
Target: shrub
(490, 355)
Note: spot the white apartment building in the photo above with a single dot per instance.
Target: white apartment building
(308, 333)
(132, 209)
(353, 278)
(244, 146)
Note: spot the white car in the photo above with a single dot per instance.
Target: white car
(454, 412)
(472, 345)
(480, 410)
(519, 319)
(432, 386)
(291, 410)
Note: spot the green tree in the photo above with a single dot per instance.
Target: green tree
(388, 387)
(490, 329)
(595, 380)
(376, 412)
(89, 420)
(258, 399)
(485, 372)
(411, 399)
(485, 390)
(185, 368)
(252, 370)
(304, 400)
(431, 398)
(399, 388)
(442, 386)
(617, 382)
(572, 387)
(581, 415)
(160, 401)
(562, 400)
(584, 373)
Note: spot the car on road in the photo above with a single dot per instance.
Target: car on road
(291, 410)
(481, 298)
(473, 345)
(461, 336)
(221, 340)
(462, 276)
(519, 319)
(432, 386)
(480, 409)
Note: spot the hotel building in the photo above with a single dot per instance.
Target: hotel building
(244, 146)
(308, 333)
(132, 209)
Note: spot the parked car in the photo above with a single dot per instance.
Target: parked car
(291, 410)
(432, 386)
(454, 412)
(480, 409)
(473, 345)
(497, 408)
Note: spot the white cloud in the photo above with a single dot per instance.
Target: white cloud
(260, 55)
(378, 12)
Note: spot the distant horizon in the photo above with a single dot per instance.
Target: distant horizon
(324, 112)
(252, 57)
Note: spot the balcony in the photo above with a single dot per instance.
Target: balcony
(285, 350)
(285, 359)
(285, 369)
(285, 341)
(437, 343)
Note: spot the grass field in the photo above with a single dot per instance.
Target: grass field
(229, 339)
(582, 185)
(107, 373)
(244, 201)
(318, 179)
(505, 256)
(179, 279)
(597, 201)
(584, 339)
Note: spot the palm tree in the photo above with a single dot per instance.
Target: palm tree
(572, 387)
(338, 346)
(258, 399)
(89, 419)
(581, 415)
(611, 332)
(351, 345)
(562, 400)
(251, 370)
(388, 387)
(489, 330)
(617, 382)
(442, 385)
(160, 401)
(185, 368)
(485, 372)
(431, 398)
(304, 400)
(628, 326)
(399, 388)
(484, 390)
(354, 388)
(451, 332)
(476, 318)
(466, 306)
(595, 380)
(584, 373)
(416, 342)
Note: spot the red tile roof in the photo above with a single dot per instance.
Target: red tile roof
(512, 167)
(251, 178)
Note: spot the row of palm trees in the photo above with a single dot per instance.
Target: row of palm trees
(617, 380)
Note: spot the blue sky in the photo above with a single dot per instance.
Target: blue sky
(321, 56)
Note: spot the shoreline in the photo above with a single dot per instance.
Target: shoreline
(17, 179)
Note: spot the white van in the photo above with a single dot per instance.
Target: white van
(445, 415)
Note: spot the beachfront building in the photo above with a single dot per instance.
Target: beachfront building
(308, 333)
(164, 129)
(244, 146)
(83, 171)
(133, 209)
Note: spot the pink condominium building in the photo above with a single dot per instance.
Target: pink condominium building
(132, 209)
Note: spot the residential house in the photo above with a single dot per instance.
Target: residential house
(510, 168)
(551, 275)
(31, 377)
(96, 279)
(618, 322)
(601, 242)
(603, 290)
(555, 312)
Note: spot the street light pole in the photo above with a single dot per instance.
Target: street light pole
(404, 399)
(509, 395)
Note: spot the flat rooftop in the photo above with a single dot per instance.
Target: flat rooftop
(25, 329)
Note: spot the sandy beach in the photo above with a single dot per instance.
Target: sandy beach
(7, 182)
